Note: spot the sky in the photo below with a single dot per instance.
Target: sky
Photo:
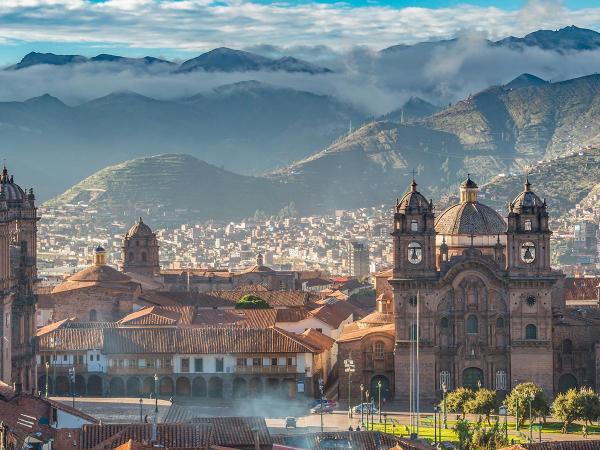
(179, 29)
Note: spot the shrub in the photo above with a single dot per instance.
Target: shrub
(250, 301)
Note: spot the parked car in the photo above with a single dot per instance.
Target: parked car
(366, 408)
(317, 402)
(325, 408)
(290, 422)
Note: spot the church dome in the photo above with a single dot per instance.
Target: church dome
(413, 199)
(526, 200)
(469, 216)
(12, 192)
(140, 229)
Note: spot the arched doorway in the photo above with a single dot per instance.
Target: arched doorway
(166, 386)
(215, 387)
(239, 388)
(255, 387)
(62, 385)
(117, 387)
(148, 386)
(567, 381)
(386, 393)
(472, 377)
(199, 387)
(133, 387)
(79, 385)
(94, 385)
(182, 386)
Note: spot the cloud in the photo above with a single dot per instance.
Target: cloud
(197, 25)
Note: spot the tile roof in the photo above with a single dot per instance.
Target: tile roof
(254, 318)
(364, 440)
(97, 275)
(23, 422)
(72, 339)
(582, 288)
(292, 314)
(236, 431)
(227, 299)
(51, 327)
(352, 333)
(334, 312)
(153, 315)
(318, 339)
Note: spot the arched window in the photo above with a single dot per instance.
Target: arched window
(567, 347)
(500, 322)
(531, 332)
(93, 315)
(528, 225)
(444, 323)
(472, 325)
(379, 349)
(414, 225)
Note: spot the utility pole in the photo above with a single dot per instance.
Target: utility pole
(349, 369)
(72, 378)
(321, 406)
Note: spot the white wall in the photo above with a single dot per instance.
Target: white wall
(302, 325)
(67, 420)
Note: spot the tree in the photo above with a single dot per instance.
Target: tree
(483, 403)
(464, 434)
(457, 399)
(250, 301)
(520, 396)
(488, 438)
(566, 408)
(589, 405)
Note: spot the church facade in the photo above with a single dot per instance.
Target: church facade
(477, 291)
(18, 271)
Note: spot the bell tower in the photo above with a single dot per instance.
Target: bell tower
(414, 236)
(140, 250)
(528, 235)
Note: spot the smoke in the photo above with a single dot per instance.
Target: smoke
(440, 72)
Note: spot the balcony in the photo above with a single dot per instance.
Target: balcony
(379, 362)
(139, 370)
(265, 369)
(61, 368)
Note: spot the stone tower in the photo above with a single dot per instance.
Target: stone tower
(140, 250)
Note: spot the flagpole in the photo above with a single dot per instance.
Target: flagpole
(418, 374)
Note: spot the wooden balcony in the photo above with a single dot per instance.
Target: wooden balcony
(139, 371)
(61, 368)
(265, 369)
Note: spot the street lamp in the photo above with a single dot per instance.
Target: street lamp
(530, 398)
(321, 406)
(444, 390)
(368, 407)
(379, 395)
(349, 369)
(141, 419)
(47, 367)
(385, 422)
(362, 405)
(517, 414)
(72, 378)
(503, 410)
(155, 398)
(435, 411)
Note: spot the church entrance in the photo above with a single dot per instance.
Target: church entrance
(386, 393)
(471, 377)
(566, 382)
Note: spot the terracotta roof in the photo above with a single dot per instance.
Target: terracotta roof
(582, 288)
(236, 431)
(254, 318)
(202, 340)
(377, 318)
(333, 312)
(292, 314)
(364, 440)
(352, 333)
(153, 315)
(72, 339)
(227, 299)
(318, 339)
(558, 445)
(96, 275)
(50, 327)
(67, 408)
(139, 229)
(22, 423)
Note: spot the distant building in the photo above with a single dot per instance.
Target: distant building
(584, 236)
(358, 259)
(140, 250)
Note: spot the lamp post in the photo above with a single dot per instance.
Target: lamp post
(72, 378)
(368, 407)
(385, 422)
(321, 408)
(379, 398)
(141, 418)
(155, 398)
(349, 368)
(362, 405)
(47, 367)
(517, 414)
(503, 410)
(444, 390)
(435, 411)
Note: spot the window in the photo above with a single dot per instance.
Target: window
(166, 363)
(241, 362)
(567, 347)
(150, 363)
(91, 357)
(472, 324)
(500, 322)
(198, 365)
(80, 359)
(412, 301)
(444, 323)
(444, 379)
(219, 365)
(185, 364)
(414, 225)
(530, 332)
(290, 361)
(65, 358)
(273, 361)
(379, 349)
(93, 315)
(257, 362)
(133, 363)
(527, 225)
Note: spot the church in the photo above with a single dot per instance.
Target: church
(478, 294)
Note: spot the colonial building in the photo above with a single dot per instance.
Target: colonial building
(477, 294)
(140, 250)
(18, 271)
